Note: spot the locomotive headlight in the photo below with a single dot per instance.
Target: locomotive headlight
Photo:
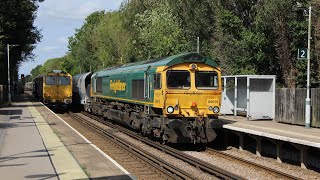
(216, 109)
(210, 108)
(170, 109)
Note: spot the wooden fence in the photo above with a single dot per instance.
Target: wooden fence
(290, 106)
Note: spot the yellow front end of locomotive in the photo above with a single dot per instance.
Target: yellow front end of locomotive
(193, 91)
(194, 104)
(58, 94)
(57, 88)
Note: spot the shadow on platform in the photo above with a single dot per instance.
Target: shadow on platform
(42, 176)
(11, 112)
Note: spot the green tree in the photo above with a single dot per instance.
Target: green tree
(113, 42)
(81, 47)
(315, 57)
(229, 42)
(159, 33)
(244, 36)
(70, 65)
(36, 71)
(16, 19)
(196, 19)
(52, 64)
(284, 34)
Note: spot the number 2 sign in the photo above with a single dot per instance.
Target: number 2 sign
(302, 53)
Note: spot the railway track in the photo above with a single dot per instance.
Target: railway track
(277, 174)
(207, 168)
(211, 169)
(146, 166)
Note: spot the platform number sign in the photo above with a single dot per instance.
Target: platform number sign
(302, 53)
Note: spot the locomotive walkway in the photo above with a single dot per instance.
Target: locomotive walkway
(31, 149)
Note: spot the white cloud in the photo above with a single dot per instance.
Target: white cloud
(76, 9)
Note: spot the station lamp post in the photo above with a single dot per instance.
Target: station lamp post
(305, 53)
(9, 87)
(308, 100)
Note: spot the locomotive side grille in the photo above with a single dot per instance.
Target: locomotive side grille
(99, 84)
(137, 88)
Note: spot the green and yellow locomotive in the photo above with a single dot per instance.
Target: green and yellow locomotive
(176, 98)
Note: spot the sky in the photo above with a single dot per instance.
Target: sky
(57, 20)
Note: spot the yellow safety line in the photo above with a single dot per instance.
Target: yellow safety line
(66, 166)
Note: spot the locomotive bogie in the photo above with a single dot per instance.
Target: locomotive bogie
(190, 131)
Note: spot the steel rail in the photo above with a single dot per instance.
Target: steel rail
(255, 165)
(202, 165)
(162, 166)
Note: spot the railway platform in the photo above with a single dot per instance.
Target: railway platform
(301, 138)
(31, 149)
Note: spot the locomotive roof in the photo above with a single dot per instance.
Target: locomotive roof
(168, 61)
(58, 72)
(77, 76)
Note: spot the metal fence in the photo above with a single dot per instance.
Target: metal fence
(290, 106)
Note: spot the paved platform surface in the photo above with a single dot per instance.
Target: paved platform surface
(274, 130)
(31, 149)
(95, 162)
(23, 154)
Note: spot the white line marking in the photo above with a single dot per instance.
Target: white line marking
(104, 154)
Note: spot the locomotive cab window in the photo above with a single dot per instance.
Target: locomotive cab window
(206, 80)
(178, 79)
(157, 81)
(64, 80)
(51, 80)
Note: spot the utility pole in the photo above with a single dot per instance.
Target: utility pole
(308, 100)
(9, 86)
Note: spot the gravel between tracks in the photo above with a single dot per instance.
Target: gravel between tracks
(250, 173)
(170, 159)
(99, 143)
(237, 169)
